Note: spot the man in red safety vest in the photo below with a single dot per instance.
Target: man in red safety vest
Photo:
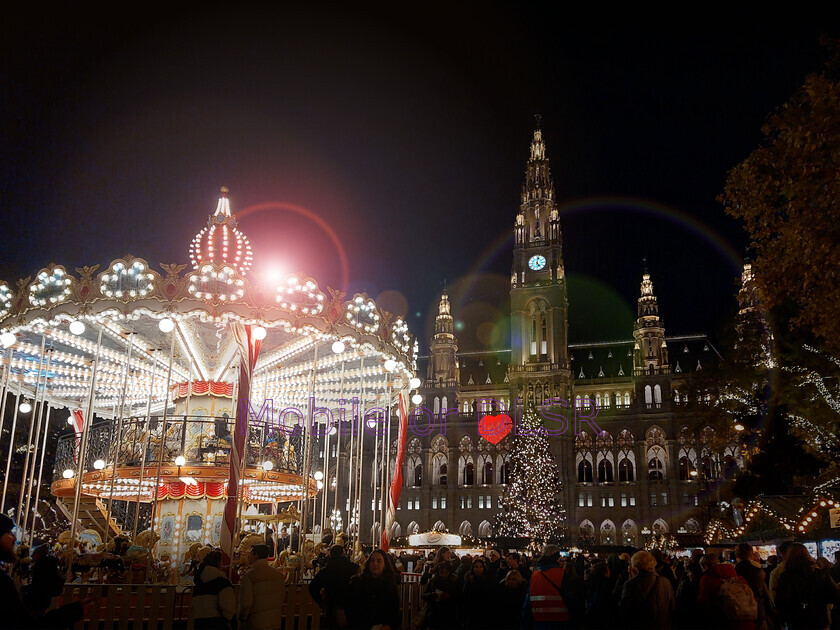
(545, 608)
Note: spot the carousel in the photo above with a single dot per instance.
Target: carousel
(193, 394)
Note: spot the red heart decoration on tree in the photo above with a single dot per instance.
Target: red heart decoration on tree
(494, 429)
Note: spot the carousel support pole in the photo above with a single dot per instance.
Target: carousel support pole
(41, 413)
(161, 453)
(386, 469)
(5, 394)
(375, 478)
(326, 478)
(86, 426)
(145, 446)
(11, 451)
(40, 473)
(119, 419)
(360, 452)
(21, 515)
(339, 431)
(351, 475)
(307, 450)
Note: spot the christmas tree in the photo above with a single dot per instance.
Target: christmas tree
(530, 504)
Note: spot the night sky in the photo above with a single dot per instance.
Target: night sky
(407, 134)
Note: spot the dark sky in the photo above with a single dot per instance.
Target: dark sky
(407, 133)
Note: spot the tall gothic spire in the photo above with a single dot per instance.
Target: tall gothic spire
(651, 350)
(443, 321)
(537, 221)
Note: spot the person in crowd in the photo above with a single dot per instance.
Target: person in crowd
(663, 567)
(600, 608)
(805, 591)
(478, 597)
(464, 567)
(283, 541)
(372, 598)
(707, 561)
(772, 562)
(688, 589)
(494, 562)
(261, 593)
(442, 597)
(269, 540)
(213, 600)
(15, 613)
(834, 572)
(545, 603)
(623, 572)
(47, 582)
(647, 600)
(514, 563)
(748, 566)
(510, 592)
(725, 599)
(776, 575)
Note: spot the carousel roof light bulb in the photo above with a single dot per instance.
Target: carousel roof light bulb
(739, 427)
(414, 383)
(166, 325)
(180, 460)
(337, 347)
(260, 333)
(318, 475)
(67, 474)
(319, 485)
(99, 464)
(390, 365)
(267, 465)
(417, 399)
(8, 339)
(70, 419)
(77, 327)
(25, 406)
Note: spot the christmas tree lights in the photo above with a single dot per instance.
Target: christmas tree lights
(531, 502)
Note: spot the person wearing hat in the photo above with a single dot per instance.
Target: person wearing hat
(15, 613)
(545, 606)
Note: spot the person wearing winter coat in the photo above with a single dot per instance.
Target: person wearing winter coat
(372, 598)
(547, 601)
(261, 593)
(647, 599)
(213, 600)
(510, 597)
(805, 591)
(329, 586)
(712, 603)
(478, 599)
(442, 597)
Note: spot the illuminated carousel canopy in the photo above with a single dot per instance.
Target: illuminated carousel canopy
(144, 334)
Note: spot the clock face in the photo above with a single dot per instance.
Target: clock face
(536, 262)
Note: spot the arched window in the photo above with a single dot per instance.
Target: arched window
(625, 470)
(628, 532)
(439, 469)
(685, 468)
(469, 473)
(598, 400)
(585, 471)
(605, 471)
(648, 395)
(443, 404)
(465, 529)
(607, 533)
(488, 472)
(413, 528)
(607, 400)
(437, 405)
(626, 399)
(466, 407)
(485, 530)
(439, 527)
(660, 527)
(418, 475)
(504, 472)
(656, 463)
(657, 394)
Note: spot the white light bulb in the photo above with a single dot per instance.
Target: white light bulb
(77, 327)
(414, 383)
(70, 420)
(166, 325)
(8, 339)
(25, 407)
(268, 465)
(417, 399)
(390, 365)
(337, 347)
(259, 333)
(332, 431)
(319, 484)
(318, 475)
(180, 460)
(67, 474)
(99, 464)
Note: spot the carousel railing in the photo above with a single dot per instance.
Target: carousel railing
(201, 440)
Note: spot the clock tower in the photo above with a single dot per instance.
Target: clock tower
(539, 366)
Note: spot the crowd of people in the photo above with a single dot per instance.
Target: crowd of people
(490, 590)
